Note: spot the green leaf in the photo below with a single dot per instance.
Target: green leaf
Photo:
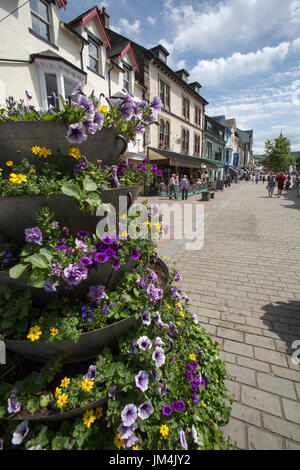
(33, 404)
(46, 253)
(39, 261)
(16, 271)
(107, 353)
(89, 185)
(39, 282)
(71, 189)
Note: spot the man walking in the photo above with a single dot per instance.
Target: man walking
(172, 185)
(184, 187)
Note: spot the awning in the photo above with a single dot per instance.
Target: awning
(214, 162)
(170, 158)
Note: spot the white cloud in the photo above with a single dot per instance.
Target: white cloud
(151, 20)
(230, 25)
(129, 28)
(217, 71)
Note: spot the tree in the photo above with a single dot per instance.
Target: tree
(278, 156)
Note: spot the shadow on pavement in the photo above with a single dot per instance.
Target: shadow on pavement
(291, 195)
(283, 318)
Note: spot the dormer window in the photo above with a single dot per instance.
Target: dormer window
(126, 80)
(40, 18)
(94, 57)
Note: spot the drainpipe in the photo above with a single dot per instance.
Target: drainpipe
(109, 84)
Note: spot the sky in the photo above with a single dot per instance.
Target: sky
(244, 53)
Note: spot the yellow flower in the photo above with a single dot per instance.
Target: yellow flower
(44, 152)
(65, 382)
(79, 384)
(179, 304)
(103, 109)
(36, 149)
(68, 314)
(32, 170)
(74, 152)
(99, 412)
(181, 313)
(168, 306)
(62, 400)
(57, 392)
(149, 224)
(9, 163)
(136, 448)
(1, 169)
(164, 430)
(123, 217)
(87, 385)
(193, 357)
(17, 179)
(88, 418)
(118, 441)
(34, 333)
(178, 323)
(124, 234)
(53, 331)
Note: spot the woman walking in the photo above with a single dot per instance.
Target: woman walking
(280, 183)
(271, 185)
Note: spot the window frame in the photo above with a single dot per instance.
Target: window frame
(197, 143)
(186, 108)
(164, 93)
(185, 136)
(91, 56)
(128, 82)
(40, 19)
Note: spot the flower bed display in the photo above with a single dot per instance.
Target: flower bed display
(116, 359)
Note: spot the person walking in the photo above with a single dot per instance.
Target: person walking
(280, 183)
(184, 187)
(172, 185)
(271, 185)
(253, 178)
(256, 179)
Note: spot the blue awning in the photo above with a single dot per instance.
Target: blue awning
(233, 169)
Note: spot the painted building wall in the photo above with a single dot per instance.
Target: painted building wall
(174, 114)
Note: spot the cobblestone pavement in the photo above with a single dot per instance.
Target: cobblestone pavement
(244, 287)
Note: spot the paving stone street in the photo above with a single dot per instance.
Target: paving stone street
(244, 287)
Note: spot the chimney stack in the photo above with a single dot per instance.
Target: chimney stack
(104, 17)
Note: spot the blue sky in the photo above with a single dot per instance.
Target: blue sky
(245, 53)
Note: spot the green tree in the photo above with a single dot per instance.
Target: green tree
(278, 156)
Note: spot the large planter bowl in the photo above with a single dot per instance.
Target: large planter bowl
(87, 347)
(17, 139)
(60, 416)
(17, 213)
(105, 275)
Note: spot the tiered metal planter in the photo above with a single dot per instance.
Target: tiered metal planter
(17, 214)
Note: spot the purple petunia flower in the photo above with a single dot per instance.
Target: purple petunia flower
(194, 435)
(142, 380)
(116, 265)
(20, 432)
(84, 102)
(78, 90)
(101, 257)
(33, 235)
(156, 375)
(130, 441)
(156, 104)
(144, 343)
(176, 405)
(49, 286)
(195, 398)
(56, 269)
(85, 261)
(133, 350)
(152, 293)
(145, 316)
(157, 342)
(82, 165)
(142, 282)
(54, 225)
(98, 120)
(74, 274)
(183, 440)
(110, 253)
(13, 406)
(91, 126)
(129, 415)
(167, 410)
(159, 357)
(162, 388)
(76, 133)
(114, 171)
(135, 254)
(145, 410)
(152, 275)
(126, 431)
(81, 245)
(177, 277)
(112, 393)
(91, 373)
(96, 293)
(160, 323)
(83, 234)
